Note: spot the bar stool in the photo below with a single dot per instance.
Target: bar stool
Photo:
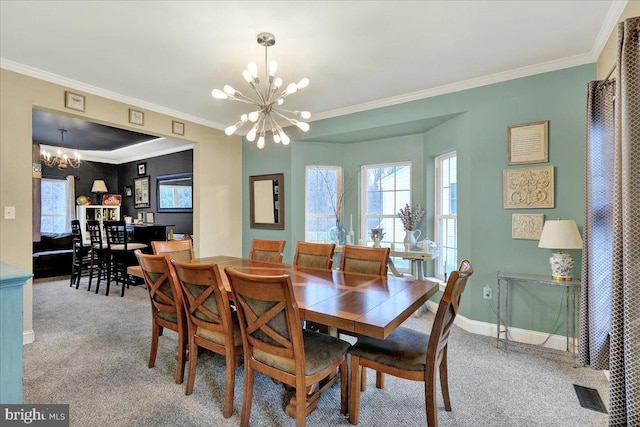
(119, 253)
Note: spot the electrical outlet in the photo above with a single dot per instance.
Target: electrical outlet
(487, 292)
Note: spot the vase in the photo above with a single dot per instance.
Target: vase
(410, 239)
(338, 233)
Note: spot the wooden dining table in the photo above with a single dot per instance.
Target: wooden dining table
(359, 304)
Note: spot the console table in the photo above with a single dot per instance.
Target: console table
(572, 287)
(12, 281)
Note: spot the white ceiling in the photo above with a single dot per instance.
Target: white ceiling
(168, 56)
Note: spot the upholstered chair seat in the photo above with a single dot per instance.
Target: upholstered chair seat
(404, 349)
(320, 351)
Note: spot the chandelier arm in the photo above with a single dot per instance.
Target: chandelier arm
(282, 115)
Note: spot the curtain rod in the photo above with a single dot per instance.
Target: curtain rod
(606, 79)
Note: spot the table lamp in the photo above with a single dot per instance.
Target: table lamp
(99, 187)
(560, 234)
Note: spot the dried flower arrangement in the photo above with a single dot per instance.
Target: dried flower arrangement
(410, 219)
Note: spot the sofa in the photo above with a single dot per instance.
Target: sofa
(53, 255)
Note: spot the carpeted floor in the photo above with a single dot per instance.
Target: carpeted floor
(91, 352)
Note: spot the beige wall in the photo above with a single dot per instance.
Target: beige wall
(607, 58)
(217, 160)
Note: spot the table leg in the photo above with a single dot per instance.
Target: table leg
(568, 314)
(420, 269)
(506, 317)
(393, 268)
(498, 326)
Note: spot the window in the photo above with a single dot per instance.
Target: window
(323, 185)
(53, 210)
(446, 210)
(385, 189)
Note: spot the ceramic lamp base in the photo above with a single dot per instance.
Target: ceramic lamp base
(561, 266)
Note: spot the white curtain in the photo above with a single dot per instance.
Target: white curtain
(71, 201)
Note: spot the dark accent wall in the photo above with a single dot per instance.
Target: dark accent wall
(117, 176)
(162, 165)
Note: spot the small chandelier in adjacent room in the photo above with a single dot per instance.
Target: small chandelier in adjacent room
(60, 159)
(266, 117)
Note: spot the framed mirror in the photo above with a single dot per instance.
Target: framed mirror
(175, 192)
(266, 201)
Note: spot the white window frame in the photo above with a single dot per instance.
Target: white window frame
(364, 200)
(66, 201)
(439, 263)
(337, 191)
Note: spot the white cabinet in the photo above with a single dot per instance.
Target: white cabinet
(97, 212)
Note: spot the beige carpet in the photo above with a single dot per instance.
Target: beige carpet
(91, 352)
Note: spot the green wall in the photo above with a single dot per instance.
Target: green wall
(475, 124)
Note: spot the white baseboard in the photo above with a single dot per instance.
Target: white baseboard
(556, 342)
(28, 337)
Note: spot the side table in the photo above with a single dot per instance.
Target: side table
(571, 286)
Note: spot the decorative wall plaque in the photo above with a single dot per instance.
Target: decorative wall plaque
(526, 226)
(528, 188)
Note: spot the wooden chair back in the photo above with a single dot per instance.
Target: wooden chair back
(446, 314)
(315, 255)
(269, 316)
(182, 250)
(162, 284)
(359, 259)
(267, 250)
(205, 299)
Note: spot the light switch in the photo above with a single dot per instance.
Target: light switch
(9, 212)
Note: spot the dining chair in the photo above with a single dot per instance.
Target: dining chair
(98, 253)
(167, 309)
(411, 354)
(182, 250)
(119, 253)
(210, 322)
(81, 257)
(359, 259)
(267, 250)
(314, 255)
(276, 345)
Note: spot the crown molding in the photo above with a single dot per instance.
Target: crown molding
(609, 24)
(94, 90)
(572, 61)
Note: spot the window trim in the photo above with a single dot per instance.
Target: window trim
(363, 194)
(67, 220)
(339, 183)
(438, 265)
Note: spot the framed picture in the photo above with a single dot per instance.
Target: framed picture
(177, 128)
(149, 218)
(128, 191)
(74, 101)
(527, 188)
(141, 192)
(112, 200)
(528, 143)
(526, 226)
(136, 117)
(142, 169)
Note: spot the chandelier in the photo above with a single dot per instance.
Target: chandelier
(267, 101)
(60, 159)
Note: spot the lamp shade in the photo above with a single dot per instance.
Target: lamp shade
(99, 186)
(560, 234)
